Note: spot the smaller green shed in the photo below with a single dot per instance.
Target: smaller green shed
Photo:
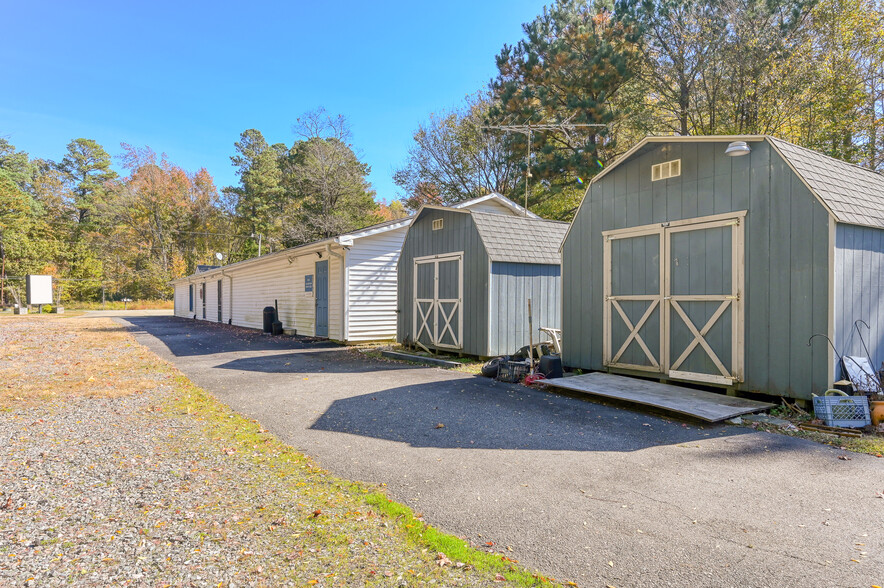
(465, 277)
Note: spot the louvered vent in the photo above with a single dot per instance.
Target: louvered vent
(437, 224)
(665, 170)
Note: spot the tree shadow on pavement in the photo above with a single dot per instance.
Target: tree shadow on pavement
(483, 414)
(187, 337)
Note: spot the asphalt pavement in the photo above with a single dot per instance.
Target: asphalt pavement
(597, 494)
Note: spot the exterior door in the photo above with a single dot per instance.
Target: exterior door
(203, 298)
(673, 299)
(321, 295)
(220, 317)
(634, 300)
(438, 301)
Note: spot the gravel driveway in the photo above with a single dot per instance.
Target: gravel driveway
(582, 491)
(117, 471)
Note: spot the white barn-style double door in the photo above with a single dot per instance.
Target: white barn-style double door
(437, 318)
(674, 299)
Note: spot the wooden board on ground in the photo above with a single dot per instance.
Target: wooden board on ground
(708, 406)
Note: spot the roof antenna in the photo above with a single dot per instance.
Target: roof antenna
(566, 127)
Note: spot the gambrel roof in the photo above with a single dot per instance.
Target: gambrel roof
(852, 194)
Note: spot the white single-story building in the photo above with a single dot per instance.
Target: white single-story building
(343, 288)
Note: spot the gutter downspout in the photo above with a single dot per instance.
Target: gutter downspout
(229, 298)
(345, 318)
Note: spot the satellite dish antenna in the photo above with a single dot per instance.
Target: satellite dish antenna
(219, 256)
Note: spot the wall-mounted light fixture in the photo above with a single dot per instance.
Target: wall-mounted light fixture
(737, 149)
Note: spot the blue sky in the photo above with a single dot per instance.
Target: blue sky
(186, 78)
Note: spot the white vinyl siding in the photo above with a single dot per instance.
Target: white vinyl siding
(258, 285)
(182, 299)
(371, 264)
(211, 300)
(493, 206)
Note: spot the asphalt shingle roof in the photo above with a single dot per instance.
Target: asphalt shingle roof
(520, 239)
(854, 194)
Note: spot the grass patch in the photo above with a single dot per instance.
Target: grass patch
(246, 438)
(423, 535)
(469, 365)
(870, 442)
(117, 305)
(273, 503)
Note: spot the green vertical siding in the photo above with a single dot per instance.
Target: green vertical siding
(786, 250)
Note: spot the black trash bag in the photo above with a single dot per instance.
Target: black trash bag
(491, 367)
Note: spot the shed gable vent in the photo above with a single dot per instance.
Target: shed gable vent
(667, 169)
(437, 224)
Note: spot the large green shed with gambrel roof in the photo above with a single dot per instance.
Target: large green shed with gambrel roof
(713, 260)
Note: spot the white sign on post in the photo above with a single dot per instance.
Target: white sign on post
(39, 289)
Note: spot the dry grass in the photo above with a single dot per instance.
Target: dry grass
(115, 305)
(870, 442)
(70, 357)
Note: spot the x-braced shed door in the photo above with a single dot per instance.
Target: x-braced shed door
(673, 299)
(437, 318)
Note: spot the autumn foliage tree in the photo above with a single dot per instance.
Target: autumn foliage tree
(162, 219)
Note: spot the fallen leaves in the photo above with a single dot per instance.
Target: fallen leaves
(439, 426)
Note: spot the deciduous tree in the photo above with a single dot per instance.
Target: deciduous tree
(454, 159)
(326, 182)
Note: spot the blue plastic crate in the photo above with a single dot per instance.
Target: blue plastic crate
(839, 410)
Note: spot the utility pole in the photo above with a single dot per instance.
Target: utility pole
(566, 128)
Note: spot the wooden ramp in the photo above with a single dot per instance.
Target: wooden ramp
(708, 406)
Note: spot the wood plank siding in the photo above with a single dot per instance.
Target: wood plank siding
(786, 254)
(859, 291)
(257, 287)
(512, 284)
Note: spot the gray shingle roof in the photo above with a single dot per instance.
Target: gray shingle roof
(520, 239)
(854, 194)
